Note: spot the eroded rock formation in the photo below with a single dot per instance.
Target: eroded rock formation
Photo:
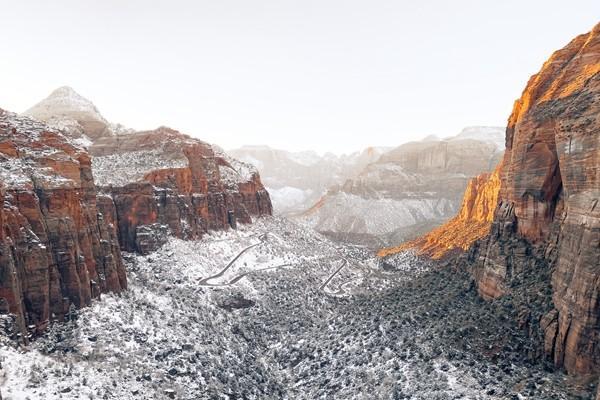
(67, 110)
(472, 222)
(164, 181)
(408, 191)
(548, 216)
(62, 232)
(543, 246)
(56, 248)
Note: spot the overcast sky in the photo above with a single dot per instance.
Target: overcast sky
(323, 75)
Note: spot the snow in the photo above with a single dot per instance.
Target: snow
(489, 134)
(236, 171)
(83, 141)
(273, 333)
(64, 101)
(308, 171)
(346, 212)
(288, 198)
(251, 160)
(119, 129)
(165, 309)
(25, 172)
(66, 110)
(122, 168)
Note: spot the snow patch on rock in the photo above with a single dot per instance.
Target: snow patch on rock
(120, 169)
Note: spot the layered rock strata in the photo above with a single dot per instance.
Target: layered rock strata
(56, 248)
(62, 232)
(548, 214)
(408, 191)
(164, 181)
(543, 246)
(472, 222)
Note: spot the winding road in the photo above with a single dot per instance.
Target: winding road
(344, 263)
(204, 282)
(339, 290)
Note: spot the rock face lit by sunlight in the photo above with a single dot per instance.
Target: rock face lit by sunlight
(472, 222)
(318, 201)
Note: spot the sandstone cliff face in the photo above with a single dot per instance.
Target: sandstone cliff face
(62, 232)
(472, 222)
(548, 216)
(164, 181)
(56, 248)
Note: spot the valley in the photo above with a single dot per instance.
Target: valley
(260, 330)
(152, 264)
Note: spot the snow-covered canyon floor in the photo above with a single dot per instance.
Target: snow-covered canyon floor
(294, 316)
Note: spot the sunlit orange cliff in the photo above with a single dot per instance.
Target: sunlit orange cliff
(471, 223)
(547, 218)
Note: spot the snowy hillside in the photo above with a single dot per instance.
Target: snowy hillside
(489, 134)
(407, 190)
(346, 212)
(273, 311)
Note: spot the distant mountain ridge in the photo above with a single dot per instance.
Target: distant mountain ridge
(407, 190)
(296, 180)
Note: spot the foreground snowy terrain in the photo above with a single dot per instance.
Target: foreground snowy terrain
(276, 311)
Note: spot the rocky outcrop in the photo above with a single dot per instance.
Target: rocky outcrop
(164, 181)
(68, 111)
(159, 182)
(407, 192)
(472, 222)
(56, 248)
(62, 232)
(548, 216)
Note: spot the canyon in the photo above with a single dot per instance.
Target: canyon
(297, 180)
(68, 211)
(492, 293)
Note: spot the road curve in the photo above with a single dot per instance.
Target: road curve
(204, 281)
(344, 263)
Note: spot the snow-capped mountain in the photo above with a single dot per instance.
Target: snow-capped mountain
(489, 134)
(296, 180)
(407, 191)
(67, 110)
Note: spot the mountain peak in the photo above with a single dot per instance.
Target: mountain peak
(64, 107)
(63, 101)
(64, 90)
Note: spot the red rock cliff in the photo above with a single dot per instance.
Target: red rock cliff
(56, 248)
(164, 181)
(548, 215)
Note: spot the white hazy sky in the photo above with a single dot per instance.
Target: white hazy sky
(306, 74)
